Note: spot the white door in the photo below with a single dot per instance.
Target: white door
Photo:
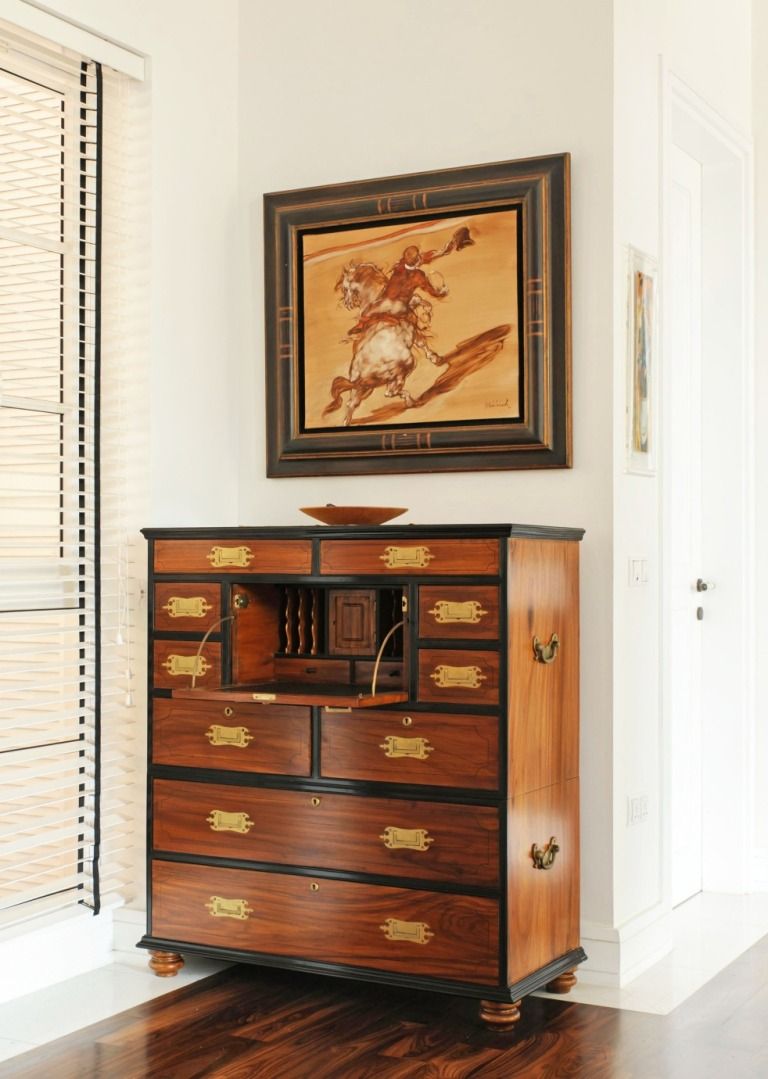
(683, 357)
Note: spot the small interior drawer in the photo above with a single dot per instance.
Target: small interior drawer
(176, 662)
(191, 608)
(458, 676)
(470, 612)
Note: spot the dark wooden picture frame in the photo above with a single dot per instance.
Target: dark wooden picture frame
(377, 363)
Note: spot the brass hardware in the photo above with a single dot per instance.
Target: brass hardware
(229, 822)
(546, 653)
(446, 677)
(240, 601)
(187, 607)
(407, 721)
(544, 858)
(314, 887)
(191, 666)
(332, 711)
(416, 932)
(228, 908)
(379, 654)
(264, 698)
(315, 801)
(229, 711)
(467, 611)
(228, 736)
(229, 556)
(406, 557)
(406, 838)
(404, 604)
(418, 748)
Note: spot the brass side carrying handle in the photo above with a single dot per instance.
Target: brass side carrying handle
(544, 858)
(546, 653)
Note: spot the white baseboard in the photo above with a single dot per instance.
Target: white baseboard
(129, 927)
(760, 870)
(618, 954)
(52, 948)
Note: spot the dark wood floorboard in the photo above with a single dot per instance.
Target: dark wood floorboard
(247, 1023)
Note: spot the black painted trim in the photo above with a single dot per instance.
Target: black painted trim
(474, 531)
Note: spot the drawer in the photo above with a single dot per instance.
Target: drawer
(384, 836)
(233, 556)
(423, 557)
(176, 661)
(402, 747)
(271, 738)
(459, 611)
(188, 607)
(328, 921)
(458, 676)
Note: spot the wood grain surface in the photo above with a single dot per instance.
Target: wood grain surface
(450, 556)
(330, 831)
(464, 753)
(162, 678)
(328, 921)
(483, 666)
(165, 620)
(281, 736)
(291, 556)
(487, 612)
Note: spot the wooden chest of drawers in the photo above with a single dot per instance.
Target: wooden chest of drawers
(364, 754)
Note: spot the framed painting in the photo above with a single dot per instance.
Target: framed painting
(420, 323)
(642, 337)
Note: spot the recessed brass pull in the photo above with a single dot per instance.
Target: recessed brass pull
(406, 557)
(220, 821)
(187, 666)
(446, 677)
(416, 932)
(219, 735)
(545, 653)
(229, 556)
(187, 607)
(406, 838)
(468, 612)
(228, 908)
(264, 698)
(395, 746)
(544, 858)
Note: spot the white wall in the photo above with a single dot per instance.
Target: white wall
(363, 92)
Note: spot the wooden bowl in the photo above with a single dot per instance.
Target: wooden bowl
(353, 515)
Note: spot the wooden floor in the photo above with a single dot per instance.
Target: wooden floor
(247, 1023)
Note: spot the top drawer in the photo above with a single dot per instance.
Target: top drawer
(389, 557)
(233, 556)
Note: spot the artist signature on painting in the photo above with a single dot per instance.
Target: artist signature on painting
(499, 403)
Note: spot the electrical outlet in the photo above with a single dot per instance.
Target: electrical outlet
(637, 809)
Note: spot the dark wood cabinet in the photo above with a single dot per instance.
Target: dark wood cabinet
(364, 754)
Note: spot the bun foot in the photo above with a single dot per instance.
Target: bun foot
(499, 1015)
(563, 983)
(165, 964)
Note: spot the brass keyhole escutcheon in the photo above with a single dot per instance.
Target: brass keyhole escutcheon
(314, 887)
(315, 802)
(229, 711)
(407, 721)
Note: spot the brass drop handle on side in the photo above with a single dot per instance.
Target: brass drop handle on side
(546, 653)
(544, 857)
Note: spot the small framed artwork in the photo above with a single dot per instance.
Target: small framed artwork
(642, 339)
(420, 323)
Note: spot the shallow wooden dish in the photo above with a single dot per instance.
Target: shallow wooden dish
(353, 515)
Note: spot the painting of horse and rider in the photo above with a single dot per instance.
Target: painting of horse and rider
(415, 322)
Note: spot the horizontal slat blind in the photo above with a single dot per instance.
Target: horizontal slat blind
(49, 587)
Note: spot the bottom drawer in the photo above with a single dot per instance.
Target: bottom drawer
(328, 921)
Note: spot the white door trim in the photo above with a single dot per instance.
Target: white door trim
(729, 865)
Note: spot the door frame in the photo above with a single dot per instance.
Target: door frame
(729, 804)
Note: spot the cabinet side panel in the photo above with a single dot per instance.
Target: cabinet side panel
(543, 904)
(543, 593)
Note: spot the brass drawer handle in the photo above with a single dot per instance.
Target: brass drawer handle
(544, 858)
(406, 557)
(219, 735)
(406, 838)
(187, 607)
(187, 666)
(467, 612)
(395, 746)
(229, 556)
(546, 653)
(218, 907)
(446, 677)
(220, 821)
(416, 932)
